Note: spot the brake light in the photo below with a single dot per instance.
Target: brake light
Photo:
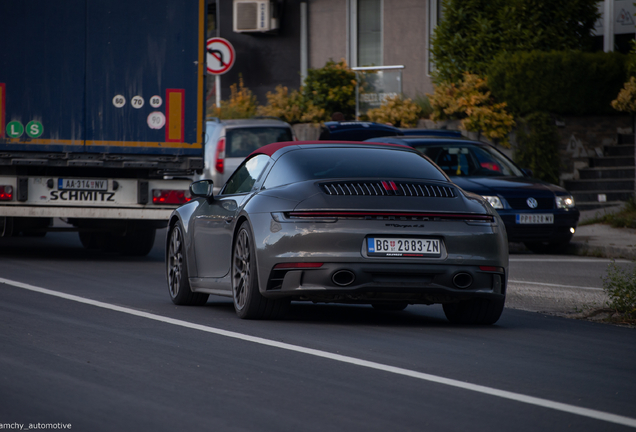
(170, 196)
(220, 156)
(298, 265)
(6, 193)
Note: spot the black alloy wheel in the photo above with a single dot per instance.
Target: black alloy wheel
(248, 301)
(177, 272)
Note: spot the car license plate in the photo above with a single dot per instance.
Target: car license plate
(391, 246)
(535, 218)
(82, 184)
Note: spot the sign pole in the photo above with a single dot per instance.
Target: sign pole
(217, 83)
(220, 58)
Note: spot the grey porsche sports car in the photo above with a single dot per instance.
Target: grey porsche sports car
(339, 222)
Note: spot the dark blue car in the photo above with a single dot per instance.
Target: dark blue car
(539, 214)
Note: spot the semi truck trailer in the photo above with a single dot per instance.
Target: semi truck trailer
(101, 117)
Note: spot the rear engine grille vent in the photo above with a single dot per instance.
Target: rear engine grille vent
(387, 188)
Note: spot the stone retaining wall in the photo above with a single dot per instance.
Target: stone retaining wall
(583, 137)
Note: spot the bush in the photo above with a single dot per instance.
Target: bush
(620, 286)
(566, 83)
(537, 146)
(291, 107)
(332, 88)
(425, 106)
(626, 99)
(327, 90)
(241, 104)
(470, 101)
(630, 62)
(397, 111)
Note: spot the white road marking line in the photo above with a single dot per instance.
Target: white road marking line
(531, 400)
(573, 260)
(554, 285)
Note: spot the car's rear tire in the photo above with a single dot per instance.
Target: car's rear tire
(399, 306)
(474, 311)
(177, 272)
(248, 301)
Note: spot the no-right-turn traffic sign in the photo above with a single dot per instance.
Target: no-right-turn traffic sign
(220, 56)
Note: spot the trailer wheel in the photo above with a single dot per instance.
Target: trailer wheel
(137, 243)
(89, 240)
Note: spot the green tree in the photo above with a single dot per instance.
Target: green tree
(473, 32)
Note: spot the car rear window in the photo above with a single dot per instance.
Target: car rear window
(241, 142)
(333, 162)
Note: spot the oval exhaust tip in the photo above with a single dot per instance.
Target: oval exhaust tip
(462, 280)
(343, 277)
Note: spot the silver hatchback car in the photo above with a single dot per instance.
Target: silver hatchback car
(229, 142)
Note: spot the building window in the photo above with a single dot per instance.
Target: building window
(434, 17)
(369, 33)
(364, 41)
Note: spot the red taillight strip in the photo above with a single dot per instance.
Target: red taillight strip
(460, 216)
(298, 265)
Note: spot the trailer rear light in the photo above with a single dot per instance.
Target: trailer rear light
(220, 156)
(6, 193)
(169, 196)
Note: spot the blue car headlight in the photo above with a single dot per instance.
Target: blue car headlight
(494, 201)
(564, 202)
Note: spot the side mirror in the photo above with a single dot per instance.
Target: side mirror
(527, 172)
(202, 188)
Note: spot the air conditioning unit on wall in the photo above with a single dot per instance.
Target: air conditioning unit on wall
(254, 16)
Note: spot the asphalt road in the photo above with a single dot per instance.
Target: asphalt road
(92, 341)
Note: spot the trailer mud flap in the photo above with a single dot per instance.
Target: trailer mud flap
(6, 226)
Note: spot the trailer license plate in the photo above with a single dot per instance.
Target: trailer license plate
(380, 246)
(82, 184)
(535, 218)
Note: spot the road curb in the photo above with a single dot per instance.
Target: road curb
(601, 251)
